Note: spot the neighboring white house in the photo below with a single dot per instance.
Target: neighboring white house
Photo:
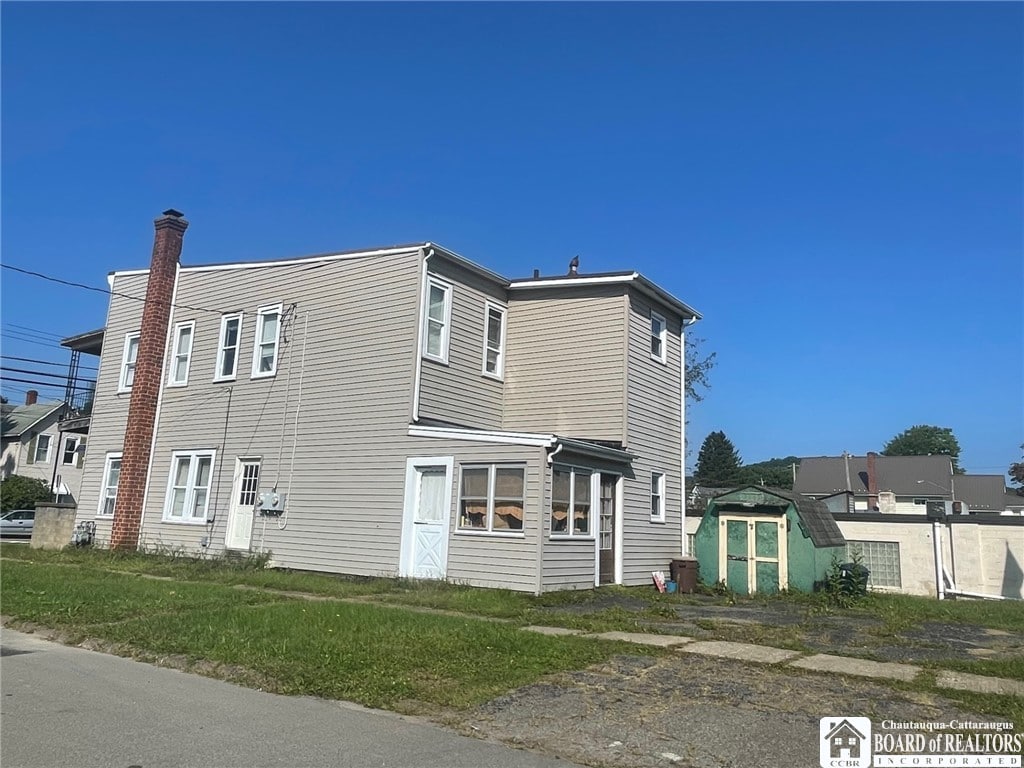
(33, 445)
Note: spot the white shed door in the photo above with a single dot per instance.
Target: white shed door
(425, 535)
(244, 491)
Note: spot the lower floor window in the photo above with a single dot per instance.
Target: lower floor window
(570, 502)
(881, 558)
(188, 490)
(111, 477)
(491, 498)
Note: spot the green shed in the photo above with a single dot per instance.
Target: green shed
(758, 539)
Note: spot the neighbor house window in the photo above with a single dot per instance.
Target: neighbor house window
(111, 477)
(39, 450)
(188, 489)
(659, 338)
(657, 497)
(268, 333)
(494, 341)
(881, 558)
(181, 354)
(570, 502)
(227, 350)
(691, 543)
(491, 498)
(437, 320)
(129, 358)
(73, 448)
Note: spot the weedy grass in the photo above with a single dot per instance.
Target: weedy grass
(375, 655)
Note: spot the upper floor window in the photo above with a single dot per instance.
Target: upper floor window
(570, 502)
(188, 490)
(494, 341)
(227, 349)
(491, 498)
(39, 450)
(659, 338)
(657, 497)
(74, 447)
(181, 354)
(111, 477)
(268, 334)
(437, 320)
(129, 358)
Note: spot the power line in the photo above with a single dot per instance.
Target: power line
(47, 362)
(106, 291)
(36, 331)
(10, 335)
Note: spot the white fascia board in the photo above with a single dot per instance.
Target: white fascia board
(482, 436)
(561, 282)
(462, 261)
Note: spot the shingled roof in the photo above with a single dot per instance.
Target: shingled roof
(982, 493)
(825, 475)
(19, 419)
(814, 516)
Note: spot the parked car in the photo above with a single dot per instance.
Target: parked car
(17, 522)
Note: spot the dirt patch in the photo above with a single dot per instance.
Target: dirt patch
(688, 710)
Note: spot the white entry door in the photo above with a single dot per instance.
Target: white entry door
(428, 494)
(244, 490)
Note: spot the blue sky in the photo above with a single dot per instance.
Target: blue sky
(836, 187)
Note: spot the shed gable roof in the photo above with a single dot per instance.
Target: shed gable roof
(814, 516)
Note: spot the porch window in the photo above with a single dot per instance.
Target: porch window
(571, 501)
(188, 487)
(111, 477)
(73, 449)
(492, 498)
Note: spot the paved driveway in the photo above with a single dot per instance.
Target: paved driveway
(65, 706)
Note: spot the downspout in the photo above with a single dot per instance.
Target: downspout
(159, 403)
(682, 435)
(419, 335)
(558, 450)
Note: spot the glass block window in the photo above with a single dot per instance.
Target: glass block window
(881, 558)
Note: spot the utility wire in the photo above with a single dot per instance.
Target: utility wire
(36, 331)
(47, 362)
(106, 291)
(30, 341)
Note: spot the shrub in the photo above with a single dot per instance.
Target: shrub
(20, 492)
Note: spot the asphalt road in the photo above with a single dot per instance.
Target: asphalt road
(63, 706)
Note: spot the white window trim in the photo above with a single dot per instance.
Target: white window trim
(224, 320)
(256, 373)
(122, 386)
(177, 352)
(77, 440)
(110, 457)
(189, 487)
(449, 291)
(499, 373)
(595, 489)
(660, 478)
(35, 449)
(490, 530)
(662, 337)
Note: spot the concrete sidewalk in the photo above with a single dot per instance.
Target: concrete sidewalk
(817, 662)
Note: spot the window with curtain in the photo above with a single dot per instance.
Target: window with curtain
(492, 498)
(571, 508)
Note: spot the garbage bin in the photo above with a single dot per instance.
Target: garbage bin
(684, 573)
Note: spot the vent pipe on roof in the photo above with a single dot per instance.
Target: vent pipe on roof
(31, 397)
(536, 274)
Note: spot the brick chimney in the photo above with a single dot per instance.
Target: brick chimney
(31, 396)
(138, 433)
(872, 482)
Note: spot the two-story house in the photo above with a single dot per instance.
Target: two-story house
(35, 444)
(415, 413)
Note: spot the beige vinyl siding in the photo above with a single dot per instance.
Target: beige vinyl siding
(654, 437)
(564, 368)
(110, 408)
(338, 404)
(458, 392)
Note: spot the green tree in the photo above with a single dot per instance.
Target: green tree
(718, 463)
(20, 492)
(778, 473)
(925, 440)
(1016, 473)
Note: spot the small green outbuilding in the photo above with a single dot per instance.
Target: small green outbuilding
(757, 539)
